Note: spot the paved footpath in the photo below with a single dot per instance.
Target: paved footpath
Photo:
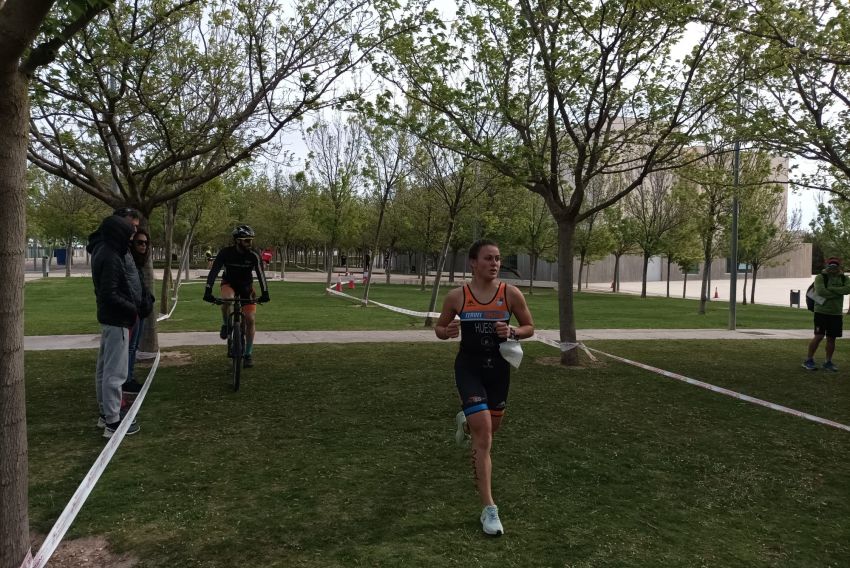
(168, 340)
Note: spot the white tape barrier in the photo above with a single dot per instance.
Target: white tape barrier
(174, 299)
(567, 346)
(386, 306)
(728, 392)
(63, 523)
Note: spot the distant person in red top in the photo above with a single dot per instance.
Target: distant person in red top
(266, 257)
(483, 308)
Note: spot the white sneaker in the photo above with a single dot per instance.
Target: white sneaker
(490, 521)
(462, 436)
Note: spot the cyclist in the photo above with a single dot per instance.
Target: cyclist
(239, 261)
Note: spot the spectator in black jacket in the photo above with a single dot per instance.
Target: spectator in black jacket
(119, 298)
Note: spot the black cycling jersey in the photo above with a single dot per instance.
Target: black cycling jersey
(237, 267)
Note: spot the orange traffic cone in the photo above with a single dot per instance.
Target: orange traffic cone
(715, 292)
(338, 286)
(351, 284)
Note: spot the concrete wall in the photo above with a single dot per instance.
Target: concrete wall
(795, 264)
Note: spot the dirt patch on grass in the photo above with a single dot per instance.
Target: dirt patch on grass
(86, 552)
(556, 362)
(168, 359)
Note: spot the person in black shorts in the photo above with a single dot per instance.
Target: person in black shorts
(831, 285)
(480, 313)
(239, 262)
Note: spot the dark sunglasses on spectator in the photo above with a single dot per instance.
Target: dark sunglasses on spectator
(246, 240)
(138, 242)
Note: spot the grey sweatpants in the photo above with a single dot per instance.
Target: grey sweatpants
(111, 370)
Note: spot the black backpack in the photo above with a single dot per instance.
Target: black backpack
(810, 302)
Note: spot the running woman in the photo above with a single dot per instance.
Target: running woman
(484, 308)
(239, 261)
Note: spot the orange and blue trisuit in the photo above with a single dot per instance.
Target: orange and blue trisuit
(481, 374)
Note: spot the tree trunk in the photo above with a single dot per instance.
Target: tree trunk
(566, 314)
(703, 295)
(684, 284)
(580, 271)
(533, 273)
(744, 294)
(441, 262)
(753, 286)
(452, 267)
(329, 265)
(14, 520)
(185, 253)
(170, 214)
(69, 251)
(615, 280)
(669, 262)
(374, 249)
(643, 276)
(387, 273)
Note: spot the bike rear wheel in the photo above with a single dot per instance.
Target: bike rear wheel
(237, 349)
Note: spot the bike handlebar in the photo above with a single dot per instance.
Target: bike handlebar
(242, 301)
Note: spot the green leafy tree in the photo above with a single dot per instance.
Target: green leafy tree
(555, 95)
(163, 96)
(623, 230)
(710, 201)
(831, 229)
(62, 213)
(456, 181)
(388, 158)
(593, 241)
(801, 78)
(425, 222)
(335, 167)
(655, 210)
(710, 208)
(764, 236)
(528, 227)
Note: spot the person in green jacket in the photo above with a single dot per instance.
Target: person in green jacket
(831, 285)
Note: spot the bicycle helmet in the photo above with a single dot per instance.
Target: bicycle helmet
(243, 232)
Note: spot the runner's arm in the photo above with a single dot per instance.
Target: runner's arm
(448, 326)
(520, 310)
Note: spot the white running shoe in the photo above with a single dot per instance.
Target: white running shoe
(490, 521)
(462, 436)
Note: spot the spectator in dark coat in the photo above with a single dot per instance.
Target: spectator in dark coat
(119, 298)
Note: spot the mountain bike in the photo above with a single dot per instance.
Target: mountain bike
(236, 334)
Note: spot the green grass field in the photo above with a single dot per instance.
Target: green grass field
(343, 455)
(340, 456)
(67, 306)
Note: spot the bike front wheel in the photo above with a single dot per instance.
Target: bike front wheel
(237, 350)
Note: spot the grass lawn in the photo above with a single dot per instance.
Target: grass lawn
(343, 455)
(67, 306)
